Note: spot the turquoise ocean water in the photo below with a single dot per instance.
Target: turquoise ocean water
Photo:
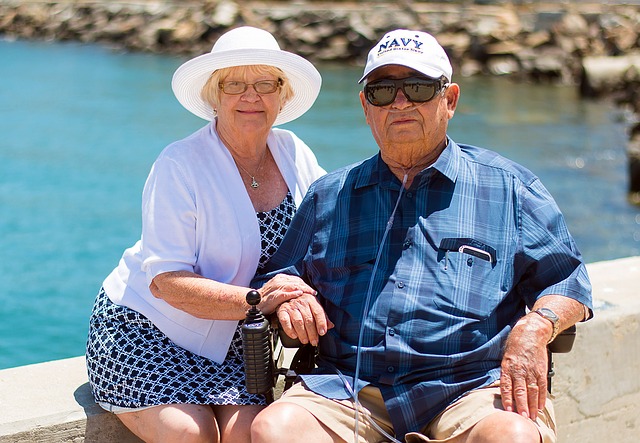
(81, 125)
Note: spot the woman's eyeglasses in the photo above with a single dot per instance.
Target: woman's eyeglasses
(383, 92)
(261, 87)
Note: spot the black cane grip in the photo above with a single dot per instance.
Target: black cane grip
(253, 297)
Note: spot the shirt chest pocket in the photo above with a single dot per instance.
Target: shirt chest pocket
(470, 282)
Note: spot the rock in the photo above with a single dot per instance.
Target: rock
(633, 151)
(572, 24)
(226, 13)
(503, 47)
(456, 44)
(605, 74)
(537, 39)
(503, 65)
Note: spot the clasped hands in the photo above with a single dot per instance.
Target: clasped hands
(301, 316)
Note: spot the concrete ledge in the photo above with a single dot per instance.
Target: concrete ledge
(596, 389)
(52, 402)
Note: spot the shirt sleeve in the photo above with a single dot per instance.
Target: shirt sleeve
(550, 262)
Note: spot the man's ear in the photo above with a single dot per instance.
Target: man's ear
(452, 95)
(365, 107)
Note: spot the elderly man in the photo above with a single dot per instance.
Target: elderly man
(445, 268)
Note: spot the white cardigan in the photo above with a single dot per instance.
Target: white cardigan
(197, 216)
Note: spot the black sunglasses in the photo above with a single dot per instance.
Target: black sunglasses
(383, 92)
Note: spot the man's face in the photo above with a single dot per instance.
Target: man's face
(406, 132)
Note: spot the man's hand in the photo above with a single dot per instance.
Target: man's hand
(523, 382)
(303, 318)
(280, 289)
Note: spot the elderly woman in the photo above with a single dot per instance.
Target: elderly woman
(164, 350)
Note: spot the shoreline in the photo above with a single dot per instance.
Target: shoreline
(594, 47)
(535, 42)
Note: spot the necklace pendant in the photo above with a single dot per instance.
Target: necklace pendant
(254, 183)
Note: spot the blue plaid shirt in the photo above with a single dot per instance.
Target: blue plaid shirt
(474, 240)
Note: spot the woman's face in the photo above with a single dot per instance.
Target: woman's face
(249, 110)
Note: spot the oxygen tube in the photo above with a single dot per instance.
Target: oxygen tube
(365, 312)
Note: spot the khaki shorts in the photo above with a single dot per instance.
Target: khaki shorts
(459, 417)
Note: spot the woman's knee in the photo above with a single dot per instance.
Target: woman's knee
(191, 424)
(173, 423)
(234, 422)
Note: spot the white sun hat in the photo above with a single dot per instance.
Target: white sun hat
(244, 46)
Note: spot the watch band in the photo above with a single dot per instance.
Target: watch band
(552, 317)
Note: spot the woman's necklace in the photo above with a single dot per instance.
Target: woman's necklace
(254, 182)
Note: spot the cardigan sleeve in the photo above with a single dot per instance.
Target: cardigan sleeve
(168, 220)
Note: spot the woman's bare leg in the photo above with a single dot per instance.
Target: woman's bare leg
(235, 422)
(179, 423)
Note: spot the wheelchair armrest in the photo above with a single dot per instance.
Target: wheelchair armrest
(561, 344)
(563, 341)
(287, 341)
(302, 362)
(284, 339)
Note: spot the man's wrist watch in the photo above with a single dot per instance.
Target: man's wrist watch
(552, 317)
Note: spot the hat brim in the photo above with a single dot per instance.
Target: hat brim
(420, 67)
(190, 77)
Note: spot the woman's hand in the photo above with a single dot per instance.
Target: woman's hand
(280, 289)
(205, 298)
(209, 299)
(298, 310)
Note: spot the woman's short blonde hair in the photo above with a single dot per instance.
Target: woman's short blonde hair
(211, 91)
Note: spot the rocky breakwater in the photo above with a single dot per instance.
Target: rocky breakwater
(618, 77)
(591, 45)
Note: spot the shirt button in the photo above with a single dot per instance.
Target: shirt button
(400, 285)
(409, 194)
(392, 332)
(390, 369)
(407, 244)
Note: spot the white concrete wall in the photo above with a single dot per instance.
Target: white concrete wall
(52, 403)
(596, 389)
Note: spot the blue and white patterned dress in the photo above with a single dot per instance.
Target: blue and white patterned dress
(131, 364)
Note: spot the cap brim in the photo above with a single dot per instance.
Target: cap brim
(426, 70)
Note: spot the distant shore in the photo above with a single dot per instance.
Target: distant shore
(564, 42)
(536, 41)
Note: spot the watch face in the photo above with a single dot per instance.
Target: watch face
(548, 313)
